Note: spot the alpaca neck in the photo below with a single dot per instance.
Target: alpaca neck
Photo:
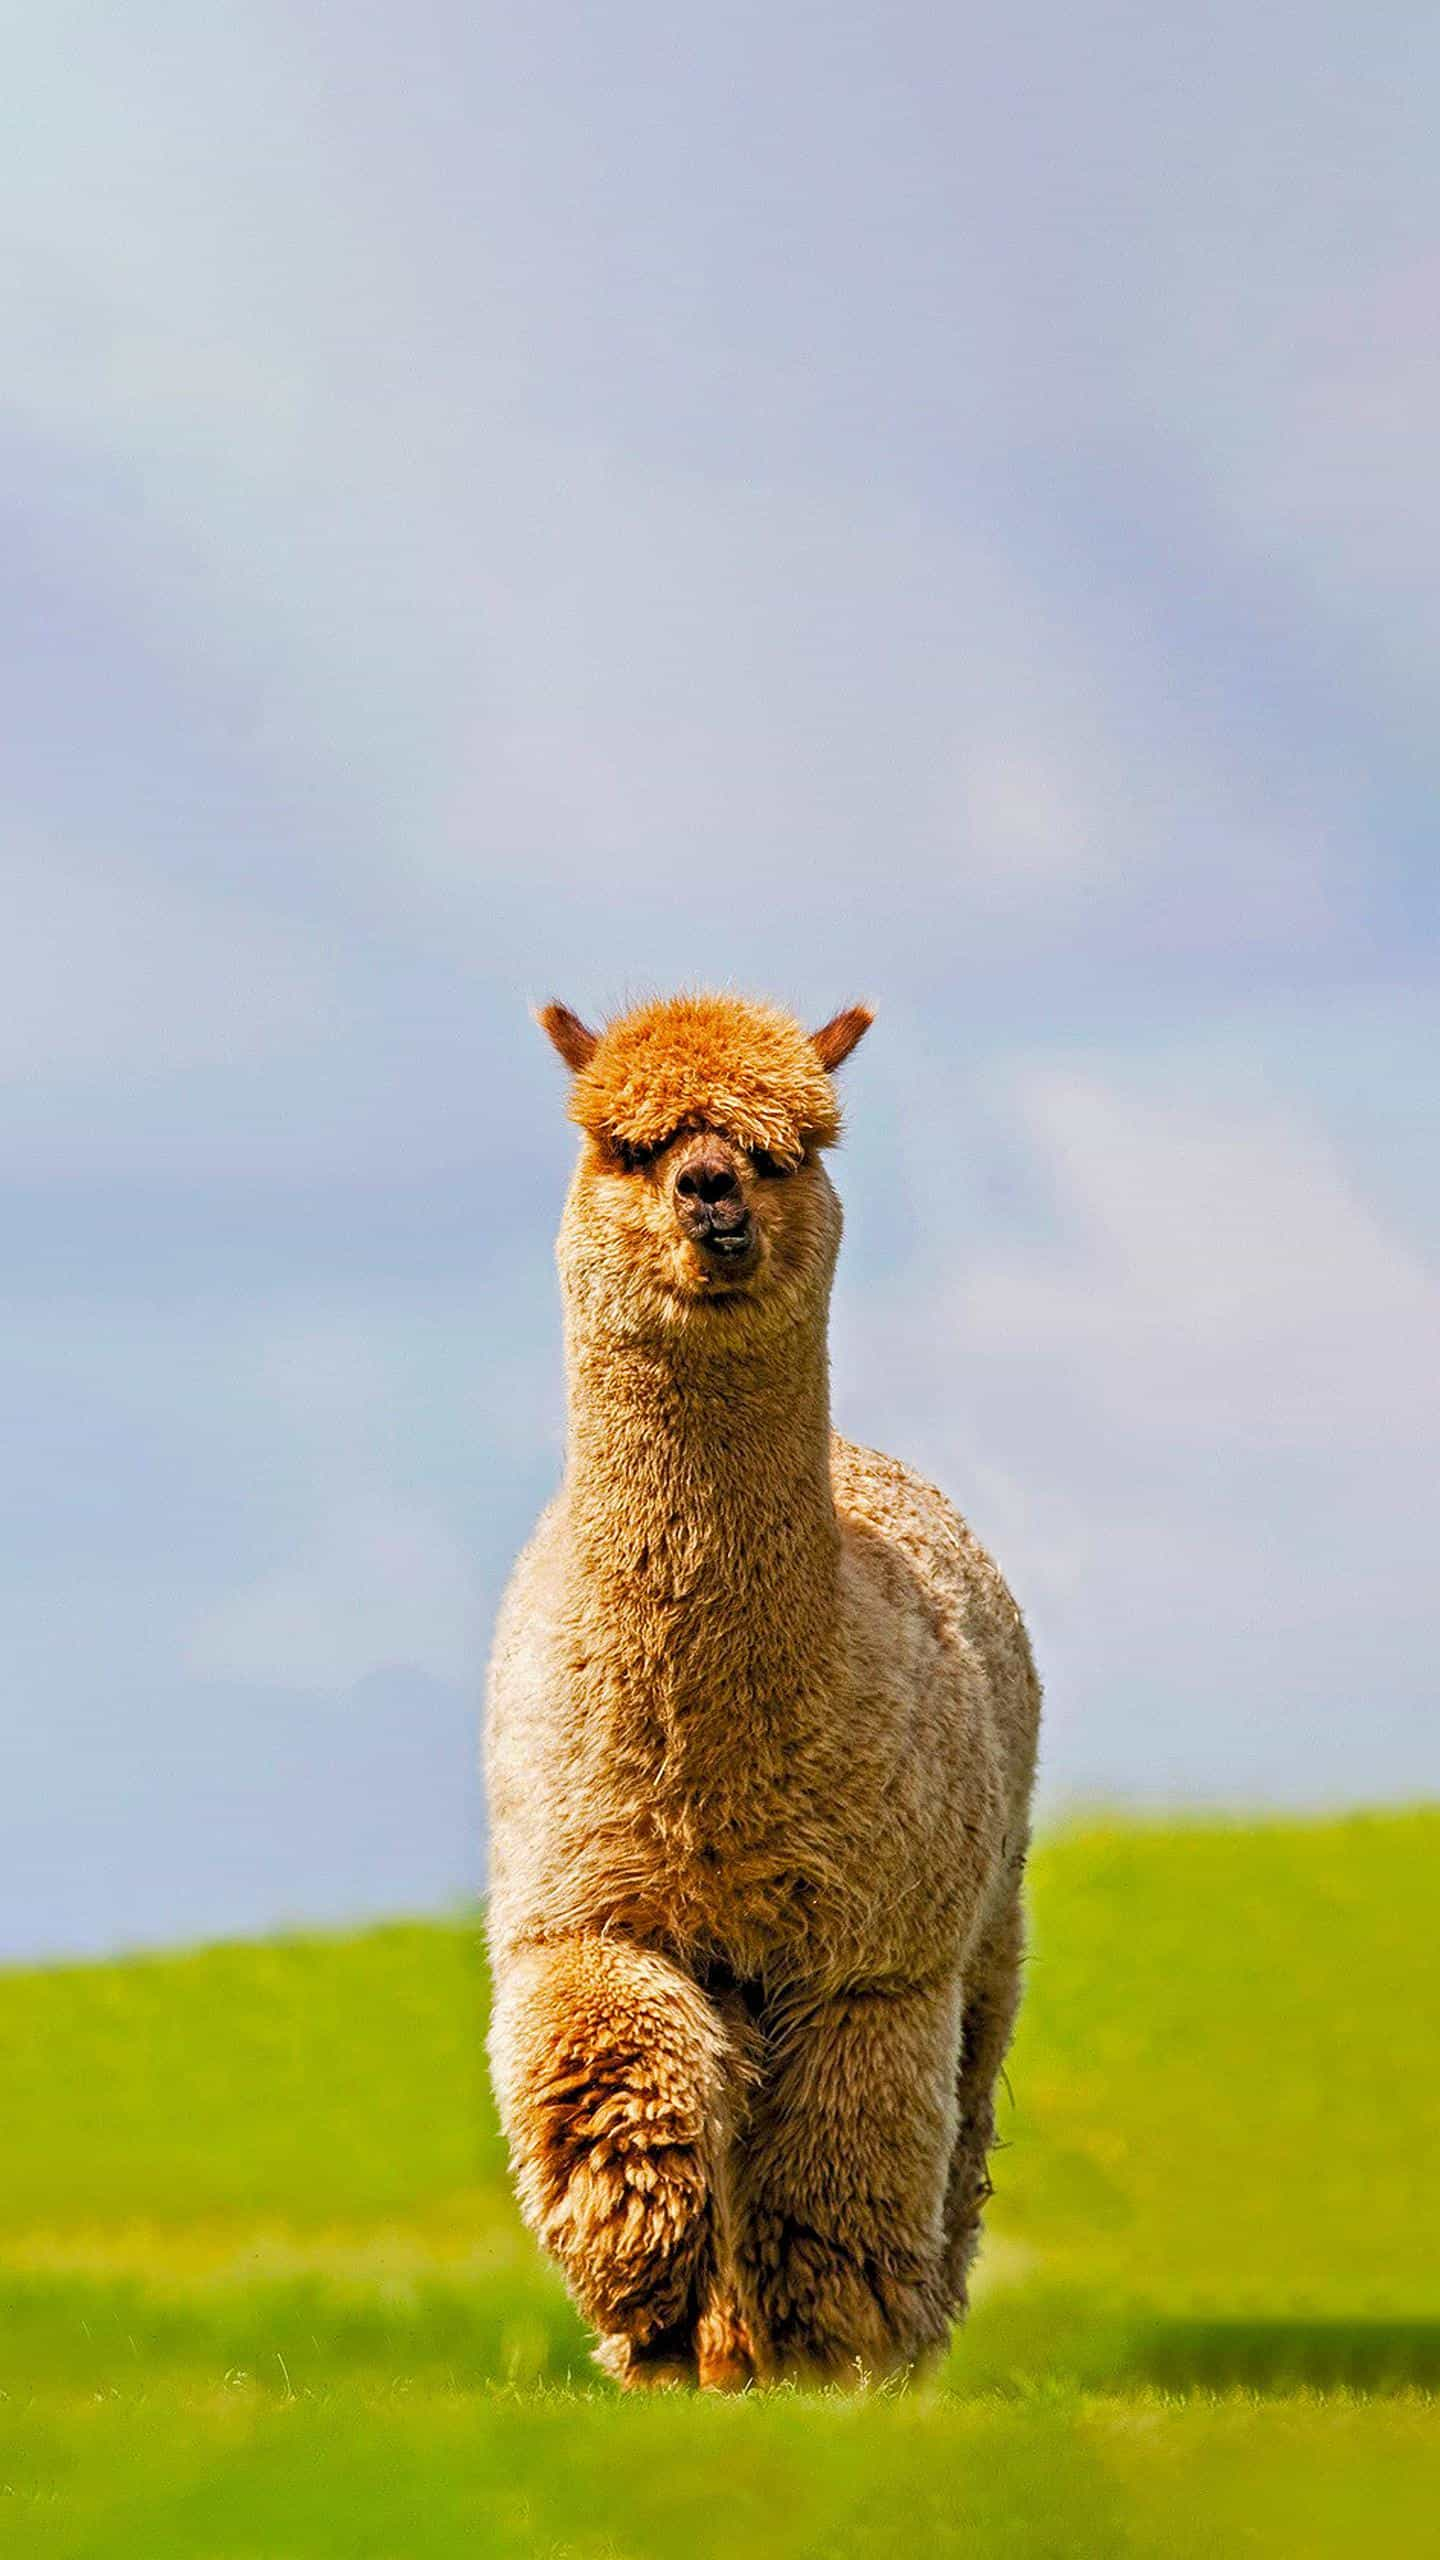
(701, 1512)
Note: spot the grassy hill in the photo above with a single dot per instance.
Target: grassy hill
(262, 2290)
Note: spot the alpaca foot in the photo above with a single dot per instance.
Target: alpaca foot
(663, 2363)
(713, 2351)
(722, 2347)
(842, 2317)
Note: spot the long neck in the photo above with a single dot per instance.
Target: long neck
(701, 1516)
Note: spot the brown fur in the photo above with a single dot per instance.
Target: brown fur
(760, 1749)
(704, 1062)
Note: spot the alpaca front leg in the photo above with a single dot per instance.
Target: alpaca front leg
(608, 2066)
(840, 2236)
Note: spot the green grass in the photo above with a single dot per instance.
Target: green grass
(423, 2475)
(262, 2290)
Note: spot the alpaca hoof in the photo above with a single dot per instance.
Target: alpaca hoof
(665, 2363)
(722, 2349)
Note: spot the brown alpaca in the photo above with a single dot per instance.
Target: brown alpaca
(760, 1750)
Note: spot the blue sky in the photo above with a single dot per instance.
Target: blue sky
(839, 502)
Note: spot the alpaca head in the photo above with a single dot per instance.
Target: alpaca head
(701, 1196)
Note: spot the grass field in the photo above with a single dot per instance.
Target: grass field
(263, 2294)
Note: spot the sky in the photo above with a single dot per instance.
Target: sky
(920, 504)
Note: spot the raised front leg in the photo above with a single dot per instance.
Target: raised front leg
(609, 2066)
(840, 2185)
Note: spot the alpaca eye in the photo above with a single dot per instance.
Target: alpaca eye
(768, 1166)
(633, 1159)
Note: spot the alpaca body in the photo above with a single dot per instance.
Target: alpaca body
(794, 1817)
(760, 1748)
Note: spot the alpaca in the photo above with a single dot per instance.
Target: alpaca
(760, 1747)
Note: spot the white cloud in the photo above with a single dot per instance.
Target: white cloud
(1187, 1393)
(559, 663)
(985, 561)
(1311, 422)
(1217, 1276)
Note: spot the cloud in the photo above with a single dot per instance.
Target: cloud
(1180, 1375)
(529, 660)
(1216, 1276)
(936, 511)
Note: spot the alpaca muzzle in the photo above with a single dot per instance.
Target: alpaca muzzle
(729, 1236)
(710, 1205)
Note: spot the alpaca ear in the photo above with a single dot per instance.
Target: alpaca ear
(567, 1033)
(835, 1039)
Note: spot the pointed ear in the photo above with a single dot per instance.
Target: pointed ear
(835, 1039)
(567, 1033)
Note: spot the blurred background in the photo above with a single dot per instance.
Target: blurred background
(841, 503)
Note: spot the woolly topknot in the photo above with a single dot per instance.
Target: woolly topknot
(717, 1062)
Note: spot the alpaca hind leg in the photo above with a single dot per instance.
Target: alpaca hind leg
(992, 1996)
(840, 2186)
(609, 2064)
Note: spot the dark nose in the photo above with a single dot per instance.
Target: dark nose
(709, 1202)
(709, 1179)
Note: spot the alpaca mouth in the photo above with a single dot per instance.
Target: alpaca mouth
(720, 1265)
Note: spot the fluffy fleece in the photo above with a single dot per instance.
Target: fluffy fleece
(760, 1749)
(700, 1062)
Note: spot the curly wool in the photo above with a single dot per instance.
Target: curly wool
(698, 1059)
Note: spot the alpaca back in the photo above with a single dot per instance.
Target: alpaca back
(886, 1509)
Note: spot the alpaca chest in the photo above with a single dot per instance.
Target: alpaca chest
(699, 1778)
(746, 1871)
(745, 1900)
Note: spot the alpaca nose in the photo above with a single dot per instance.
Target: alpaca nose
(707, 1179)
(709, 1202)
